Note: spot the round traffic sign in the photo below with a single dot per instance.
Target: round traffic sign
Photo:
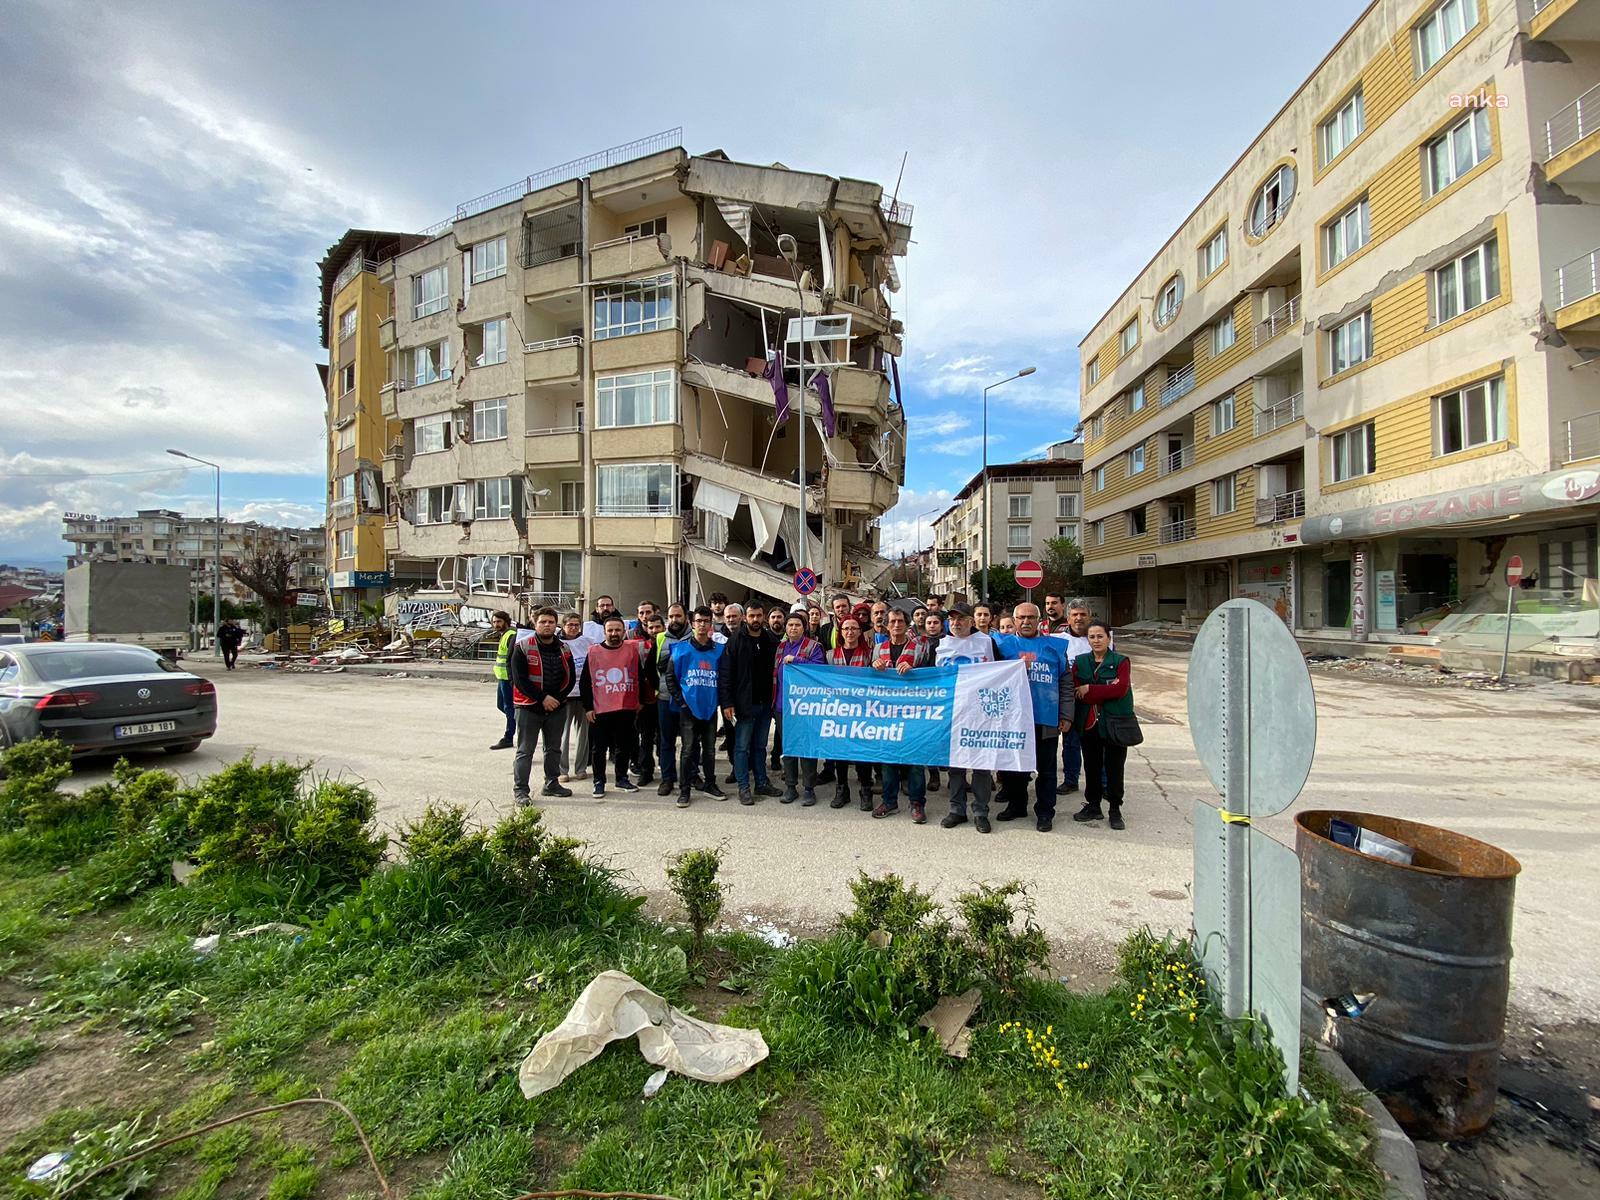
(1029, 574)
(805, 581)
(1514, 570)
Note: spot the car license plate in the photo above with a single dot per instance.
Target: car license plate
(144, 728)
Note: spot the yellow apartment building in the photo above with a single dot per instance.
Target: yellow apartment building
(1365, 371)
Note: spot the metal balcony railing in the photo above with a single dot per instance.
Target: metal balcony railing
(575, 339)
(897, 211)
(1573, 123)
(1287, 506)
(1259, 228)
(1278, 321)
(1583, 437)
(1284, 412)
(1178, 460)
(342, 508)
(1538, 6)
(1578, 279)
(1177, 531)
(1178, 385)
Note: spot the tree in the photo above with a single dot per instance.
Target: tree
(1003, 587)
(1063, 566)
(270, 575)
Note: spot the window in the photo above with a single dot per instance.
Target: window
(643, 306)
(430, 292)
(1350, 343)
(1019, 537)
(654, 227)
(347, 379)
(1136, 459)
(1223, 416)
(572, 495)
(1097, 531)
(1460, 148)
(1354, 452)
(491, 499)
(1136, 398)
(1136, 522)
(492, 338)
(1223, 334)
(347, 437)
(1066, 504)
(430, 363)
(1345, 234)
(347, 543)
(344, 487)
(437, 505)
(489, 260)
(1019, 508)
(1466, 282)
(1169, 300)
(1272, 200)
(1442, 29)
(1094, 371)
(1342, 128)
(1224, 495)
(1130, 336)
(1474, 416)
(347, 323)
(489, 420)
(432, 433)
(1067, 529)
(1214, 253)
(1100, 478)
(644, 398)
(636, 489)
(490, 572)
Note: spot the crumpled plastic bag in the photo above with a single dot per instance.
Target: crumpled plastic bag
(615, 1006)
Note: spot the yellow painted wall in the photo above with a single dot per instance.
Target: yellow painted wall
(1241, 520)
(1119, 542)
(1209, 447)
(1207, 367)
(372, 303)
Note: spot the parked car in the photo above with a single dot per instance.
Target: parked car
(102, 697)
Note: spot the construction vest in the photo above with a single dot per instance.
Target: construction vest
(502, 658)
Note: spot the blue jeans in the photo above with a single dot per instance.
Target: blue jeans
(750, 745)
(915, 779)
(667, 750)
(502, 701)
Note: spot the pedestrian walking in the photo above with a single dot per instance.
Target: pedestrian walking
(1103, 686)
(575, 738)
(608, 689)
(504, 635)
(797, 647)
(1050, 683)
(667, 711)
(229, 635)
(744, 693)
(964, 645)
(542, 675)
(690, 675)
(898, 652)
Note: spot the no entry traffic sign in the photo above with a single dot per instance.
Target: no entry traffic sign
(1029, 574)
(805, 581)
(1514, 571)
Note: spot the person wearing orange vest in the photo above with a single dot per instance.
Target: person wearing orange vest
(609, 689)
(542, 674)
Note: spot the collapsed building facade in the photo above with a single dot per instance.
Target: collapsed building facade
(585, 373)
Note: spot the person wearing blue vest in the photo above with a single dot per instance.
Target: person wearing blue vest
(690, 677)
(1050, 681)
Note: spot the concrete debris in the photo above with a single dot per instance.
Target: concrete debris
(1444, 677)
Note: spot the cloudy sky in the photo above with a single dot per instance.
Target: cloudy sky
(171, 172)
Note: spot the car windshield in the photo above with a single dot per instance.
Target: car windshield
(63, 665)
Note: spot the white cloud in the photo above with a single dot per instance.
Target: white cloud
(910, 519)
(961, 445)
(942, 424)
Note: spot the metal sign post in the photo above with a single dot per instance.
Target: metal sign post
(1513, 581)
(1252, 715)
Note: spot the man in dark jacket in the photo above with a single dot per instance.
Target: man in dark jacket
(229, 635)
(744, 693)
(542, 673)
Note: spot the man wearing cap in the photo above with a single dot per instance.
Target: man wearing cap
(963, 645)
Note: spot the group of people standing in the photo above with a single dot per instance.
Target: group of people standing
(670, 687)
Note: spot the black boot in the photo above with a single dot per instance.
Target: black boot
(841, 795)
(1089, 812)
(1116, 817)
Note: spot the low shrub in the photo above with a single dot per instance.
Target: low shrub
(439, 841)
(845, 982)
(925, 949)
(692, 875)
(33, 772)
(1005, 951)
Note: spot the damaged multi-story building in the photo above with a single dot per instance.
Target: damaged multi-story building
(585, 376)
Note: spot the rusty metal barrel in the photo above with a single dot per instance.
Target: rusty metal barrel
(1432, 943)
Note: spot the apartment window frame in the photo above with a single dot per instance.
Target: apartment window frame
(1346, 233)
(1437, 22)
(484, 426)
(491, 499)
(345, 437)
(1265, 213)
(425, 299)
(488, 259)
(344, 486)
(1224, 334)
(1097, 532)
(617, 477)
(1354, 452)
(1136, 460)
(347, 543)
(347, 323)
(1488, 398)
(1169, 301)
(491, 572)
(1138, 522)
(1019, 537)
(1342, 127)
(635, 306)
(347, 379)
(1458, 151)
(659, 385)
(1224, 485)
(1213, 255)
(436, 505)
(1067, 506)
(1100, 478)
(493, 348)
(1094, 370)
(1344, 350)
(1019, 507)
(1136, 399)
(430, 367)
(423, 438)
(1129, 346)
(1452, 286)
(1224, 414)
(654, 227)
(1068, 529)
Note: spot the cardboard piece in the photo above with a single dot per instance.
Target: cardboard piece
(948, 1019)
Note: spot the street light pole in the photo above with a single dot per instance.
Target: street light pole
(790, 250)
(922, 576)
(216, 565)
(987, 515)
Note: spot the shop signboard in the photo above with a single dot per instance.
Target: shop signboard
(1387, 618)
(1358, 594)
(1465, 506)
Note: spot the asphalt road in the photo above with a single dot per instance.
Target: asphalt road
(1516, 769)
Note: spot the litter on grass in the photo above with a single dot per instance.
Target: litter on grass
(948, 1019)
(616, 1006)
(209, 943)
(769, 933)
(48, 1166)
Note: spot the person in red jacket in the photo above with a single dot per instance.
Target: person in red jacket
(609, 689)
(542, 673)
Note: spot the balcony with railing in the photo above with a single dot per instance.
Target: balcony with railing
(1566, 128)
(1276, 416)
(1262, 223)
(1279, 321)
(1178, 531)
(552, 358)
(1577, 280)
(1287, 506)
(1178, 385)
(1583, 438)
(1178, 460)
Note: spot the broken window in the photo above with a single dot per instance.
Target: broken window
(430, 363)
(437, 505)
(491, 499)
(486, 343)
(654, 227)
(493, 572)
